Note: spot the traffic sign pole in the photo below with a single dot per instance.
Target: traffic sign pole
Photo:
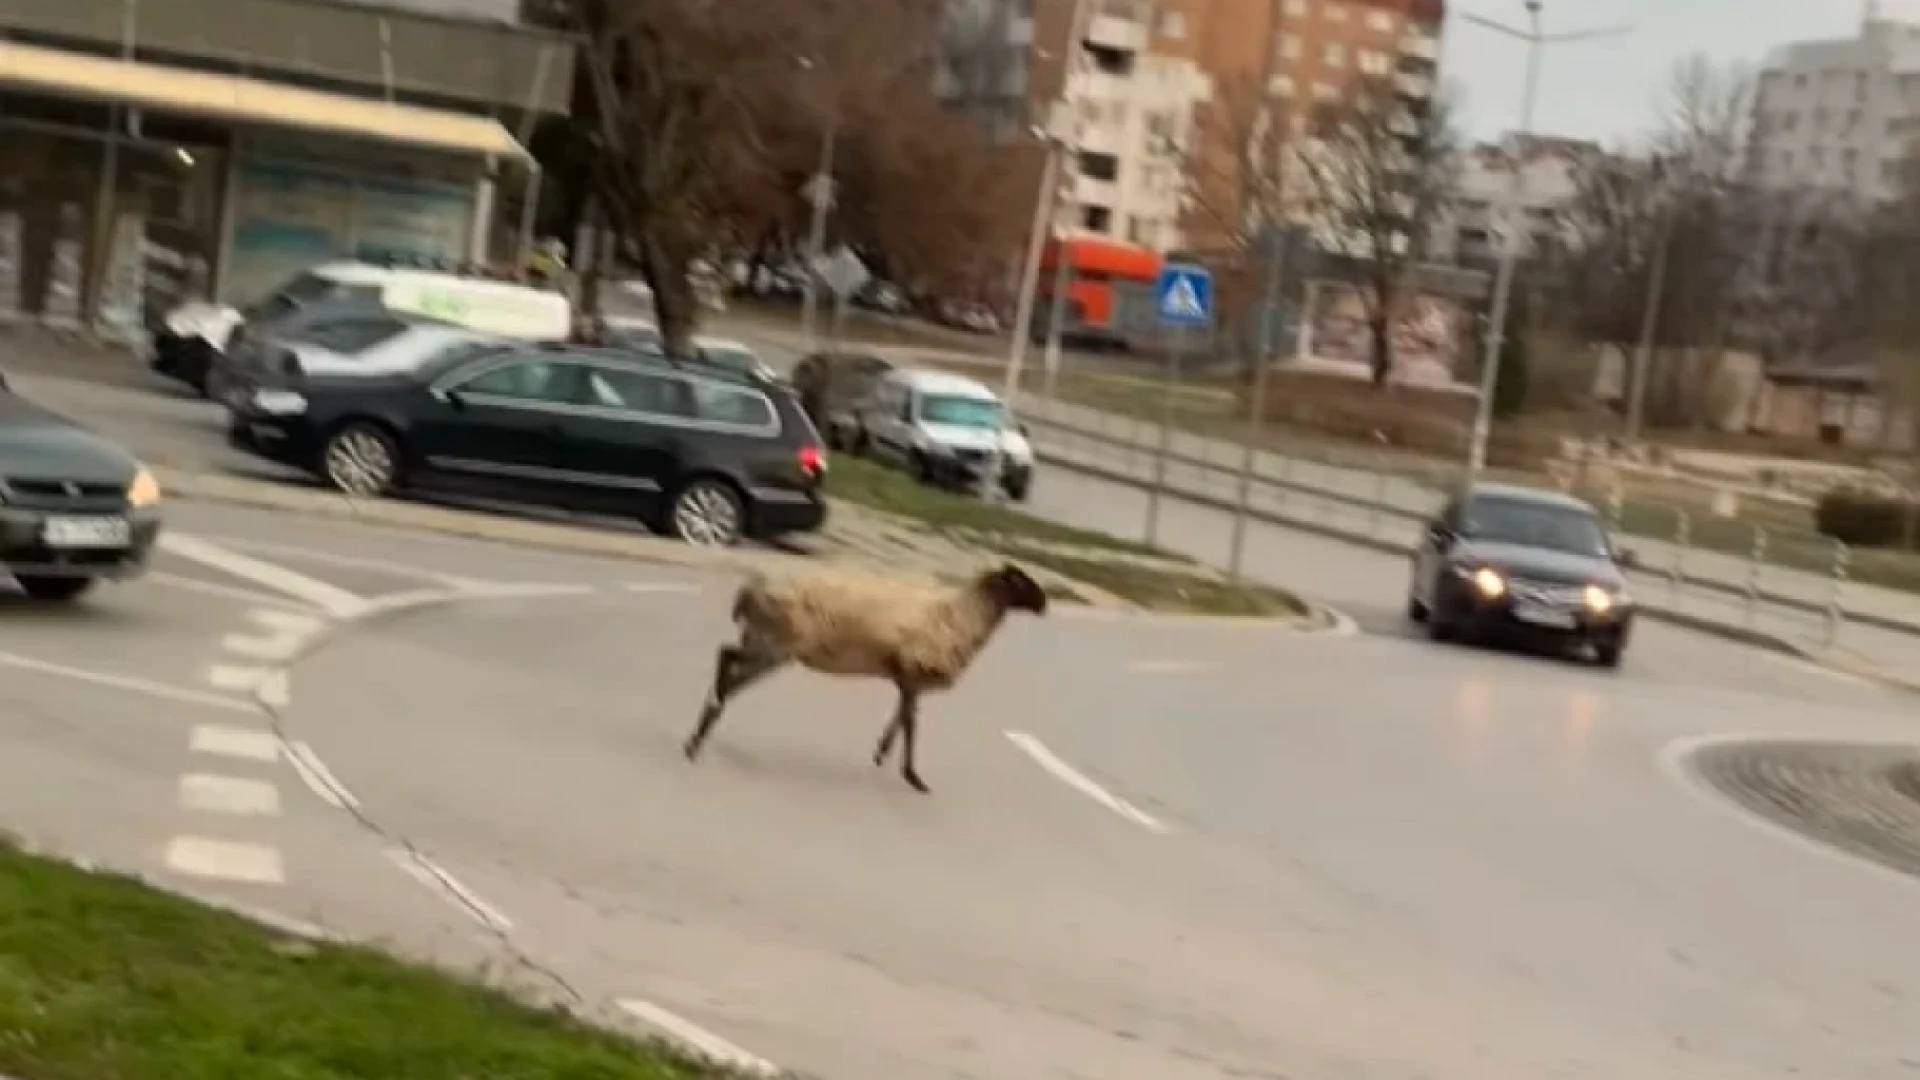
(1174, 347)
(1184, 297)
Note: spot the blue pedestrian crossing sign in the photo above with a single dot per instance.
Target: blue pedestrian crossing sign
(1184, 295)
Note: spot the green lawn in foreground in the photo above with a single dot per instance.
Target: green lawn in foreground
(103, 978)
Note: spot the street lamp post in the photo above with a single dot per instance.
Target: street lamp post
(1046, 205)
(820, 192)
(1510, 210)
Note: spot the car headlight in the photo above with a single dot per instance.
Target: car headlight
(280, 402)
(1489, 583)
(144, 491)
(1600, 601)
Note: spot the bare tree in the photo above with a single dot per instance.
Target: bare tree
(1381, 169)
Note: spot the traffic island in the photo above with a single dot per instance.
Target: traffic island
(904, 514)
(105, 978)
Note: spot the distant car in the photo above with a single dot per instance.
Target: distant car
(706, 455)
(346, 326)
(1516, 561)
(194, 334)
(414, 346)
(74, 508)
(945, 429)
(832, 385)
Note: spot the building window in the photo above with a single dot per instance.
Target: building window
(1173, 25)
(1096, 218)
(1336, 11)
(1380, 20)
(1336, 55)
(1374, 62)
(1289, 47)
(1095, 166)
(1296, 7)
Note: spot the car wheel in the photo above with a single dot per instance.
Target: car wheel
(1416, 610)
(1607, 656)
(923, 468)
(362, 460)
(859, 444)
(1439, 629)
(708, 513)
(54, 590)
(1018, 491)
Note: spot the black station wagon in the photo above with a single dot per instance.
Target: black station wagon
(692, 450)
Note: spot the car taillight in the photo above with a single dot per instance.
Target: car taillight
(812, 461)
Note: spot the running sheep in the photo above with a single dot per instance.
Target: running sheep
(919, 637)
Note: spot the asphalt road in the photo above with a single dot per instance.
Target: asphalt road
(1154, 849)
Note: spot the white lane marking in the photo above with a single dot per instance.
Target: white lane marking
(314, 773)
(512, 591)
(646, 587)
(227, 592)
(696, 1038)
(129, 683)
(1673, 762)
(344, 562)
(237, 680)
(331, 599)
(436, 879)
(275, 691)
(289, 634)
(234, 743)
(225, 860)
(1078, 781)
(1169, 667)
(238, 796)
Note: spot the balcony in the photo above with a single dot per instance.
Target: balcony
(1420, 46)
(1116, 32)
(436, 59)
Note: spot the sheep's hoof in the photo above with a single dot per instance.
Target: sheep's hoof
(917, 784)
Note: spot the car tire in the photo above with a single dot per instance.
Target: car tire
(1018, 492)
(1439, 629)
(361, 459)
(1607, 656)
(1417, 611)
(859, 445)
(708, 512)
(923, 469)
(53, 590)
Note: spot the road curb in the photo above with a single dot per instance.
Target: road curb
(193, 485)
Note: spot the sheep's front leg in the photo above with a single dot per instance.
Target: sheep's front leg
(735, 669)
(907, 722)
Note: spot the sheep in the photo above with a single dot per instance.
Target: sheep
(921, 638)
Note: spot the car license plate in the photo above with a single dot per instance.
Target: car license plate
(1540, 615)
(87, 532)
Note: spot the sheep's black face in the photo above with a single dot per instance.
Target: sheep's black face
(1017, 591)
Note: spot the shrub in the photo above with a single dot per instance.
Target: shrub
(1863, 519)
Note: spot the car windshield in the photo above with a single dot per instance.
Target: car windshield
(959, 411)
(1535, 524)
(306, 289)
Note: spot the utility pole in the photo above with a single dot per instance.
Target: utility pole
(820, 193)
(1510, 218)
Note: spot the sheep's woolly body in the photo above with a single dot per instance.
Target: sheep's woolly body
(845, 623)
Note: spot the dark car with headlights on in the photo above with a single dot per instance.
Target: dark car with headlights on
(74, 507)
(709, 455)
(1502, 560)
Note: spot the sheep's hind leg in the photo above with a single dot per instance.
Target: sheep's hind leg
(735, 669)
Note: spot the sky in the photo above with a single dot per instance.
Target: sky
(1609, 89)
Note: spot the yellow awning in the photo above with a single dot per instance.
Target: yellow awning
(239, 99)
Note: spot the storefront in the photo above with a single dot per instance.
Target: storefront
(127, 186)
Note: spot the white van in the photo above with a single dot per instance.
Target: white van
(945, 429)
(194, 333)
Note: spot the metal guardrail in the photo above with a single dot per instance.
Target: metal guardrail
(1785, 582)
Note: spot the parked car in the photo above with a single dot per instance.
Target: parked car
(75, 508)
(1503, 560)
(642, 335)
(343, 326)
(945, 429)
(416, 345)
(193, 335)
(832, 386)
(701, 453)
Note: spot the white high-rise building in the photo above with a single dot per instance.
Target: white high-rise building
(1842, 116)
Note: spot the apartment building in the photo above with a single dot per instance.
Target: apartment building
(1840, 116)
(1147, 89)
(1467, 232)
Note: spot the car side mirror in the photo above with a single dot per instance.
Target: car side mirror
(454, 398)
(1439, 537)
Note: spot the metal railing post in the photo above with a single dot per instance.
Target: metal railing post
(1836, 614)
(1677, 570)
(1757, 560)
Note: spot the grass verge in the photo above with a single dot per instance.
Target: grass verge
(104, 978)
(1145, 575)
